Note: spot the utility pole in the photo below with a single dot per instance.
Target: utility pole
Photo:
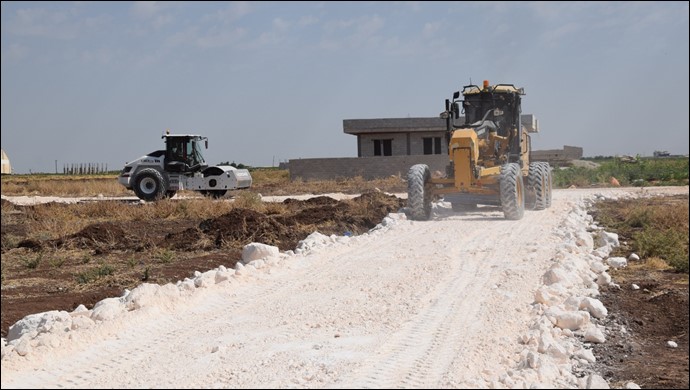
(56, 167)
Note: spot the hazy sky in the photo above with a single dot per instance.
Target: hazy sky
(99, 82)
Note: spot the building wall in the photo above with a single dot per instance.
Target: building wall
(407, 149)
(417, 141)
(403, 144)
(398, 144)
(554, 156)
(367, 167)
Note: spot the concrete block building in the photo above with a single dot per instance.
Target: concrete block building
(389, 147)
(408, 136)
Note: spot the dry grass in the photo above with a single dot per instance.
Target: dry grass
(656, 227)
(266, 181)
(54, 221)
(62, 185)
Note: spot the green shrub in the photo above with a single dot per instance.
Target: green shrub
(33, 262)
(95, 273)
(670, 245)
(646, 171)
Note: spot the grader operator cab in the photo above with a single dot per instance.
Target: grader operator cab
(180, 166)
(489, 155)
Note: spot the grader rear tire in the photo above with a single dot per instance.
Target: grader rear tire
(512, 191)
(549, 182)
(537, 184)
(419, 192)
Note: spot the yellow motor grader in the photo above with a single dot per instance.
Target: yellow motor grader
(489, 157)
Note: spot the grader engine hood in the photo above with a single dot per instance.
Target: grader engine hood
(464, 151)
(465, 139)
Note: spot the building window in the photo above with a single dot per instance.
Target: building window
(383, 147)
(432, 145)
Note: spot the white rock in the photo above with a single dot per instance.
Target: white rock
(558, 353)
(594, 335)
(206, 279)
(602, 252)
(258, 264)
(598, 266)
(605, 238)
(81, 310)
(573, 303)
(635, 287)
(107, 309)
(47, 340)
(633, 257)
(594, 307)
(595, 381)
(604, 279)
(82, 322)
(186, 285)
(617, 262)
(255, 251)
(222, 276)
(572, 320)
(585, 240)
(672, 344)
(586, 354)
(149, 294)
(53, 320)
(546, 296)
(556, 274)
(632, 385)
(23, 348)
(532, 360)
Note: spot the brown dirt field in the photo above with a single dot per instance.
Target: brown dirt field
(651, 316)
(642, 321)
(104, 258)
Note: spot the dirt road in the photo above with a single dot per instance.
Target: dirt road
(443, 303)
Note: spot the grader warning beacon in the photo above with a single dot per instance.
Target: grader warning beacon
(489, 157)
(180, 166)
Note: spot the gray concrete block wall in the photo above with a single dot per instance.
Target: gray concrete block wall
(398, 144)
(558, 155)
(366, 167)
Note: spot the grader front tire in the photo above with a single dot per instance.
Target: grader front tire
(419, 192)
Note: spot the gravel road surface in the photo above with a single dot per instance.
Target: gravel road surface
(464, 300)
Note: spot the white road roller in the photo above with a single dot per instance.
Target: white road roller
(181, 166)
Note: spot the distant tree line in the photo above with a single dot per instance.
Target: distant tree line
(84, 169)
(236, 165)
